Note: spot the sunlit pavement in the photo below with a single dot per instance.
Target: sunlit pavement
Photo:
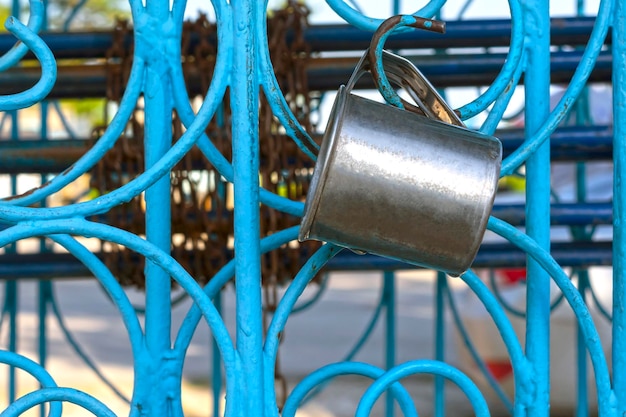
(319, 335)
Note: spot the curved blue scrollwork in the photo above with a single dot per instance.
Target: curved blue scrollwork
(48, 68)
(361, 21)
(55, 394)
(431, 367)
(37, 371)
(331, 371)
(564, 106)
(571, 294)
(35, 21)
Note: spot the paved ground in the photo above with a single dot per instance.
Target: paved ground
(315, 337)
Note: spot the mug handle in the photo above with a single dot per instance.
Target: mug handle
(384, 66)
(395, 71)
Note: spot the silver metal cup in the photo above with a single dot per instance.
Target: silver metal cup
(402, 185)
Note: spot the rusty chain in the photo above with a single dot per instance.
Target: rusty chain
(202, 221)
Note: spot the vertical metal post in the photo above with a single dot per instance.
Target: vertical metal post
(441, 288)
(537, 88)
(44, 298)
(216, 363)
(389, 299)
(45, 287)
(158, 137)
(396, 7)
(11, 286)
(11, 306)
(582, 404)
(619, 205)
(579, 233)
(245, 132)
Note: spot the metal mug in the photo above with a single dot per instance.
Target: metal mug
(400, 184)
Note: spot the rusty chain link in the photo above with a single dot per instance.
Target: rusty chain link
(202, 221)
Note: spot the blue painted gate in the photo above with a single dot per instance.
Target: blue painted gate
(242, 78)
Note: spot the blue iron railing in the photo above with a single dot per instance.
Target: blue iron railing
(243, 70)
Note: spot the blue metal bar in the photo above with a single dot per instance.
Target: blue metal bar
(496, 113)
(361, 21)
(50, 300)
(497, 292)
(158, 137)
(279, 105)
(600, 306)
(577, 84)
(328, 372)
(44, 287)
(281, 314)
(39, 156)
(509, 70)
(322, 287)
(580, 310)
(325, 74)
(580, 233)
(248, 388)
(66, 125)
(441, 289)
(115, 129)
(561, 214)
(521, 366)
(493, 383)
(111, 286)
(389, 297)
(11, 289)
(44, 294)
(481, 33)
(71, 395)
(575, 254)
(35, 20)
(245, 104)
(11, 298)
(358, 345)
(582, 396)
(73, 13)
(135, 243)
(34, 369)
(216, 284)
(48, 69)
(216, 363)
(619, 206)
(537, 89)
(580, 143)
(424, 366)
(464, 8)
